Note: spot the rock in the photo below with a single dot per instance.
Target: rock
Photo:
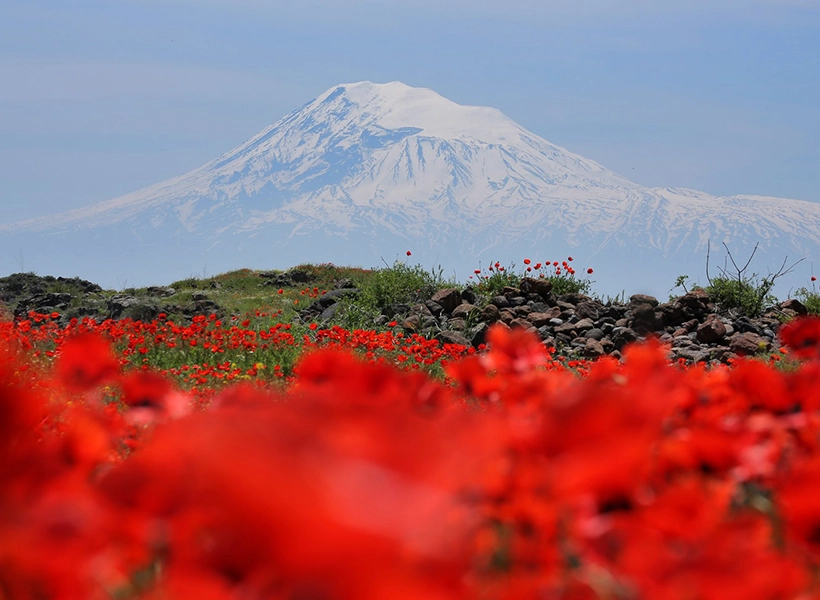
(539, 319)
(672, 312)
(507, 316)
(697, 300)
(500, 301)
(118, 304)
(510, 292)
(795, 305)
(448, 298)
(643, 299)
(573, 299)
(330, 312)
(745, 325)
(682, 341)
(711, 331)
(522, 324)
(748, 344)
(320, 306)
(691, 325)
(593, 349)
(341, 284)
(434, 307)
(692, 355)
(453, 337)
(479, 335)
(41, 302)
(590, 309)
(146, 309)
(421, 310)
(333, 296)
(522, 311)
(566, 328)
(643, 312)
(595, 334)
(300, 276)
(584, 325)
(644, 319)
(490, 313)
(288, 278)
(166, 292)
(541, 287)
(457, 323)
(621, 336)
(412, 324)
(465, 311)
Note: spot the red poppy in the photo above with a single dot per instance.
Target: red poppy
(526, 261)
(589, 271)
(86, 360)
(409, 253)
(802, 336)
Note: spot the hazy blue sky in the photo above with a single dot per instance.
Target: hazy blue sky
(99, 98)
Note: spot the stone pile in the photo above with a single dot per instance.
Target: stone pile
(579, 325)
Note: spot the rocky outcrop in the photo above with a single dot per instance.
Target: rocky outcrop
(579, 325)
(575, 325)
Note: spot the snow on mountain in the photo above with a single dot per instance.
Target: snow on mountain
(367, 169)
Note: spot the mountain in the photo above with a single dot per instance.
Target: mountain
(366, 171)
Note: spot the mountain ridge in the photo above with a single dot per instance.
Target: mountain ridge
(364, 163)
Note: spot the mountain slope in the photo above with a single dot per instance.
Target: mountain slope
(366, 169)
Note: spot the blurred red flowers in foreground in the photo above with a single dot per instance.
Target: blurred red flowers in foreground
(513, 479)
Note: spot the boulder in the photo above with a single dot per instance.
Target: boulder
(748, 344)
(711, 331)
(448, 298)
(465, 311)
(541, 287)
(643, 299)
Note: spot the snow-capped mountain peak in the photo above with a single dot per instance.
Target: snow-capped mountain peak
(366, 168)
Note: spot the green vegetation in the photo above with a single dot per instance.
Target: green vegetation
(568, 283)
(750, 295)
(810, 297)
(563, 278)
(399, 284)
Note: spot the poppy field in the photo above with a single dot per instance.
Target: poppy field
(243, 458)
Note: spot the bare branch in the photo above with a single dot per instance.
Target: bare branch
(708, 251)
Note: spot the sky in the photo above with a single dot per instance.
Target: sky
(100, 98)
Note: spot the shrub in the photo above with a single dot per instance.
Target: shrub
(399, 284)
(495, 280)
(750, 295)
(810, 297)
(568, 283)
(737, 290)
